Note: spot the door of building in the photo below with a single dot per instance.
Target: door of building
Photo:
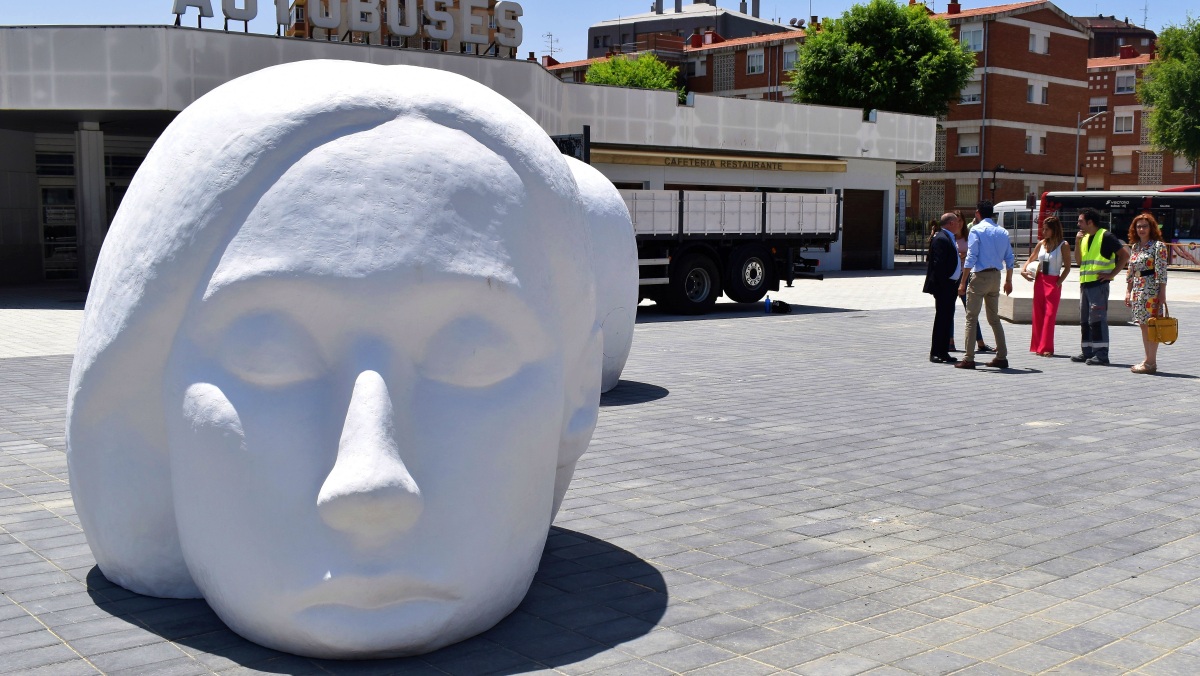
(863, 223)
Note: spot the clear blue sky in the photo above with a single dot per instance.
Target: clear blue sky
(568, 20)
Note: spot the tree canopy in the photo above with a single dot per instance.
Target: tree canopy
(644, 72)
(1169, 88)
(883, 56)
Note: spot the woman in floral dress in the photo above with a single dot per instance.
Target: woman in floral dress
(1146, 282)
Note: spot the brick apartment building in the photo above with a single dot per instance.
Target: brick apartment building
(754, 67)
(1013, 130)
(1118, 154)
(304, 25)
(1110, 34)
(695, 18)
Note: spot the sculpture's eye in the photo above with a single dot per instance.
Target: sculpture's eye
(471, 352)
(270, 350)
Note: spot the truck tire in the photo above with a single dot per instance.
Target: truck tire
(749, 274)
(695, 285)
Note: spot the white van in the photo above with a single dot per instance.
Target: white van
(1021, 224)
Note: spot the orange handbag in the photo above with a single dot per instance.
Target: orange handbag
(1164, 329)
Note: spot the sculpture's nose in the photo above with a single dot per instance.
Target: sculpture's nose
(369, 493)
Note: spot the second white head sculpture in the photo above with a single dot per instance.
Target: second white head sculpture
(339, 359)
(614, 250)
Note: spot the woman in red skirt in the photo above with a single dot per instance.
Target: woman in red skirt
(1047, 267)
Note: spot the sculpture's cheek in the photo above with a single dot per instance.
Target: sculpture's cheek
(211, 420)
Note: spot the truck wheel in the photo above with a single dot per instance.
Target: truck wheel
(695, 285)
(750, 272)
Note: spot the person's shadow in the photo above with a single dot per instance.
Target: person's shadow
(587, 597)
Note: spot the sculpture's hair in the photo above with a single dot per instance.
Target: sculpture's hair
(187, 202)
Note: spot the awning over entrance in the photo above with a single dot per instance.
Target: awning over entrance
(699, 161)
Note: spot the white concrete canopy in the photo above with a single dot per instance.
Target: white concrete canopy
(163, 68)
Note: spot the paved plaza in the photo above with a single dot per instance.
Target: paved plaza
(764, 494)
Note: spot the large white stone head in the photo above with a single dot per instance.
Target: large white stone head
(338, 360)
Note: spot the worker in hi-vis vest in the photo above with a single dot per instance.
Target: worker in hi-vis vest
(1101, 257)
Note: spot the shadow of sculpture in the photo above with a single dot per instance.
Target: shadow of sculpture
(654, 314)
(632, 392)
(587, 597)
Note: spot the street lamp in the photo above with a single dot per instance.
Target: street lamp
(1078, 127)
(999, 167)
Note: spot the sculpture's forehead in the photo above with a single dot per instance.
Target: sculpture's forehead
(409, 195)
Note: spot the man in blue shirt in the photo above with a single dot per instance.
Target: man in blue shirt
(988, 252)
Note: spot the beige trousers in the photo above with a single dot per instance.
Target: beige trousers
(984, 290)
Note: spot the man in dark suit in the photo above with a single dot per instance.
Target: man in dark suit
(941, 280)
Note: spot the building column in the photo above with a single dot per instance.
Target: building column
(89, 197)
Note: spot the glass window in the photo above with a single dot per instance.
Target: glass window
(789, 59)
(1125, 83)
(1123, 124)
(1039, 41)
(972, 38)
(1098, 104)
(1122, 165)
(966, 194)
(56, 164)
(968, 144)
(121, 166)
(1182, 164)
(1095, 144)
(754, 63)
(971, 93)
(1037, 92)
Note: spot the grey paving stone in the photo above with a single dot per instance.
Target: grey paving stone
(866, 524)
(690, 657)
(31, 658)
(792, 654)
(837, 665)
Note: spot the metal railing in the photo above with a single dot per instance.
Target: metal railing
(1183, 256)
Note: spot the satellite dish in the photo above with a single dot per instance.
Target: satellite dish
(799, 23)
(792, 21)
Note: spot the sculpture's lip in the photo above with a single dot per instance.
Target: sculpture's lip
(372, 592)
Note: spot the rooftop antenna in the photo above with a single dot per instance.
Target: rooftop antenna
(551, 43)
(1146, 14)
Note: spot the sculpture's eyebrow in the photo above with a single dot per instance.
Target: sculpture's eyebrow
(407, 310)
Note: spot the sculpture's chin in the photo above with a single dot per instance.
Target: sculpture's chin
(356, 625)
(335, 631)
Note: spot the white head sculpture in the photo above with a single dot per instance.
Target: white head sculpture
(615, 249)
(338, 360)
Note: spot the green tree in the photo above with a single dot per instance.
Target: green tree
(1169, 88)
(883, 56)
(644, 72)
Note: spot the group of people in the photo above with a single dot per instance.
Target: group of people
(966, 262)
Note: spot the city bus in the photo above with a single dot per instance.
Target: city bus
(1177, 211)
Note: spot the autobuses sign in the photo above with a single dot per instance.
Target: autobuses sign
(460, 20)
